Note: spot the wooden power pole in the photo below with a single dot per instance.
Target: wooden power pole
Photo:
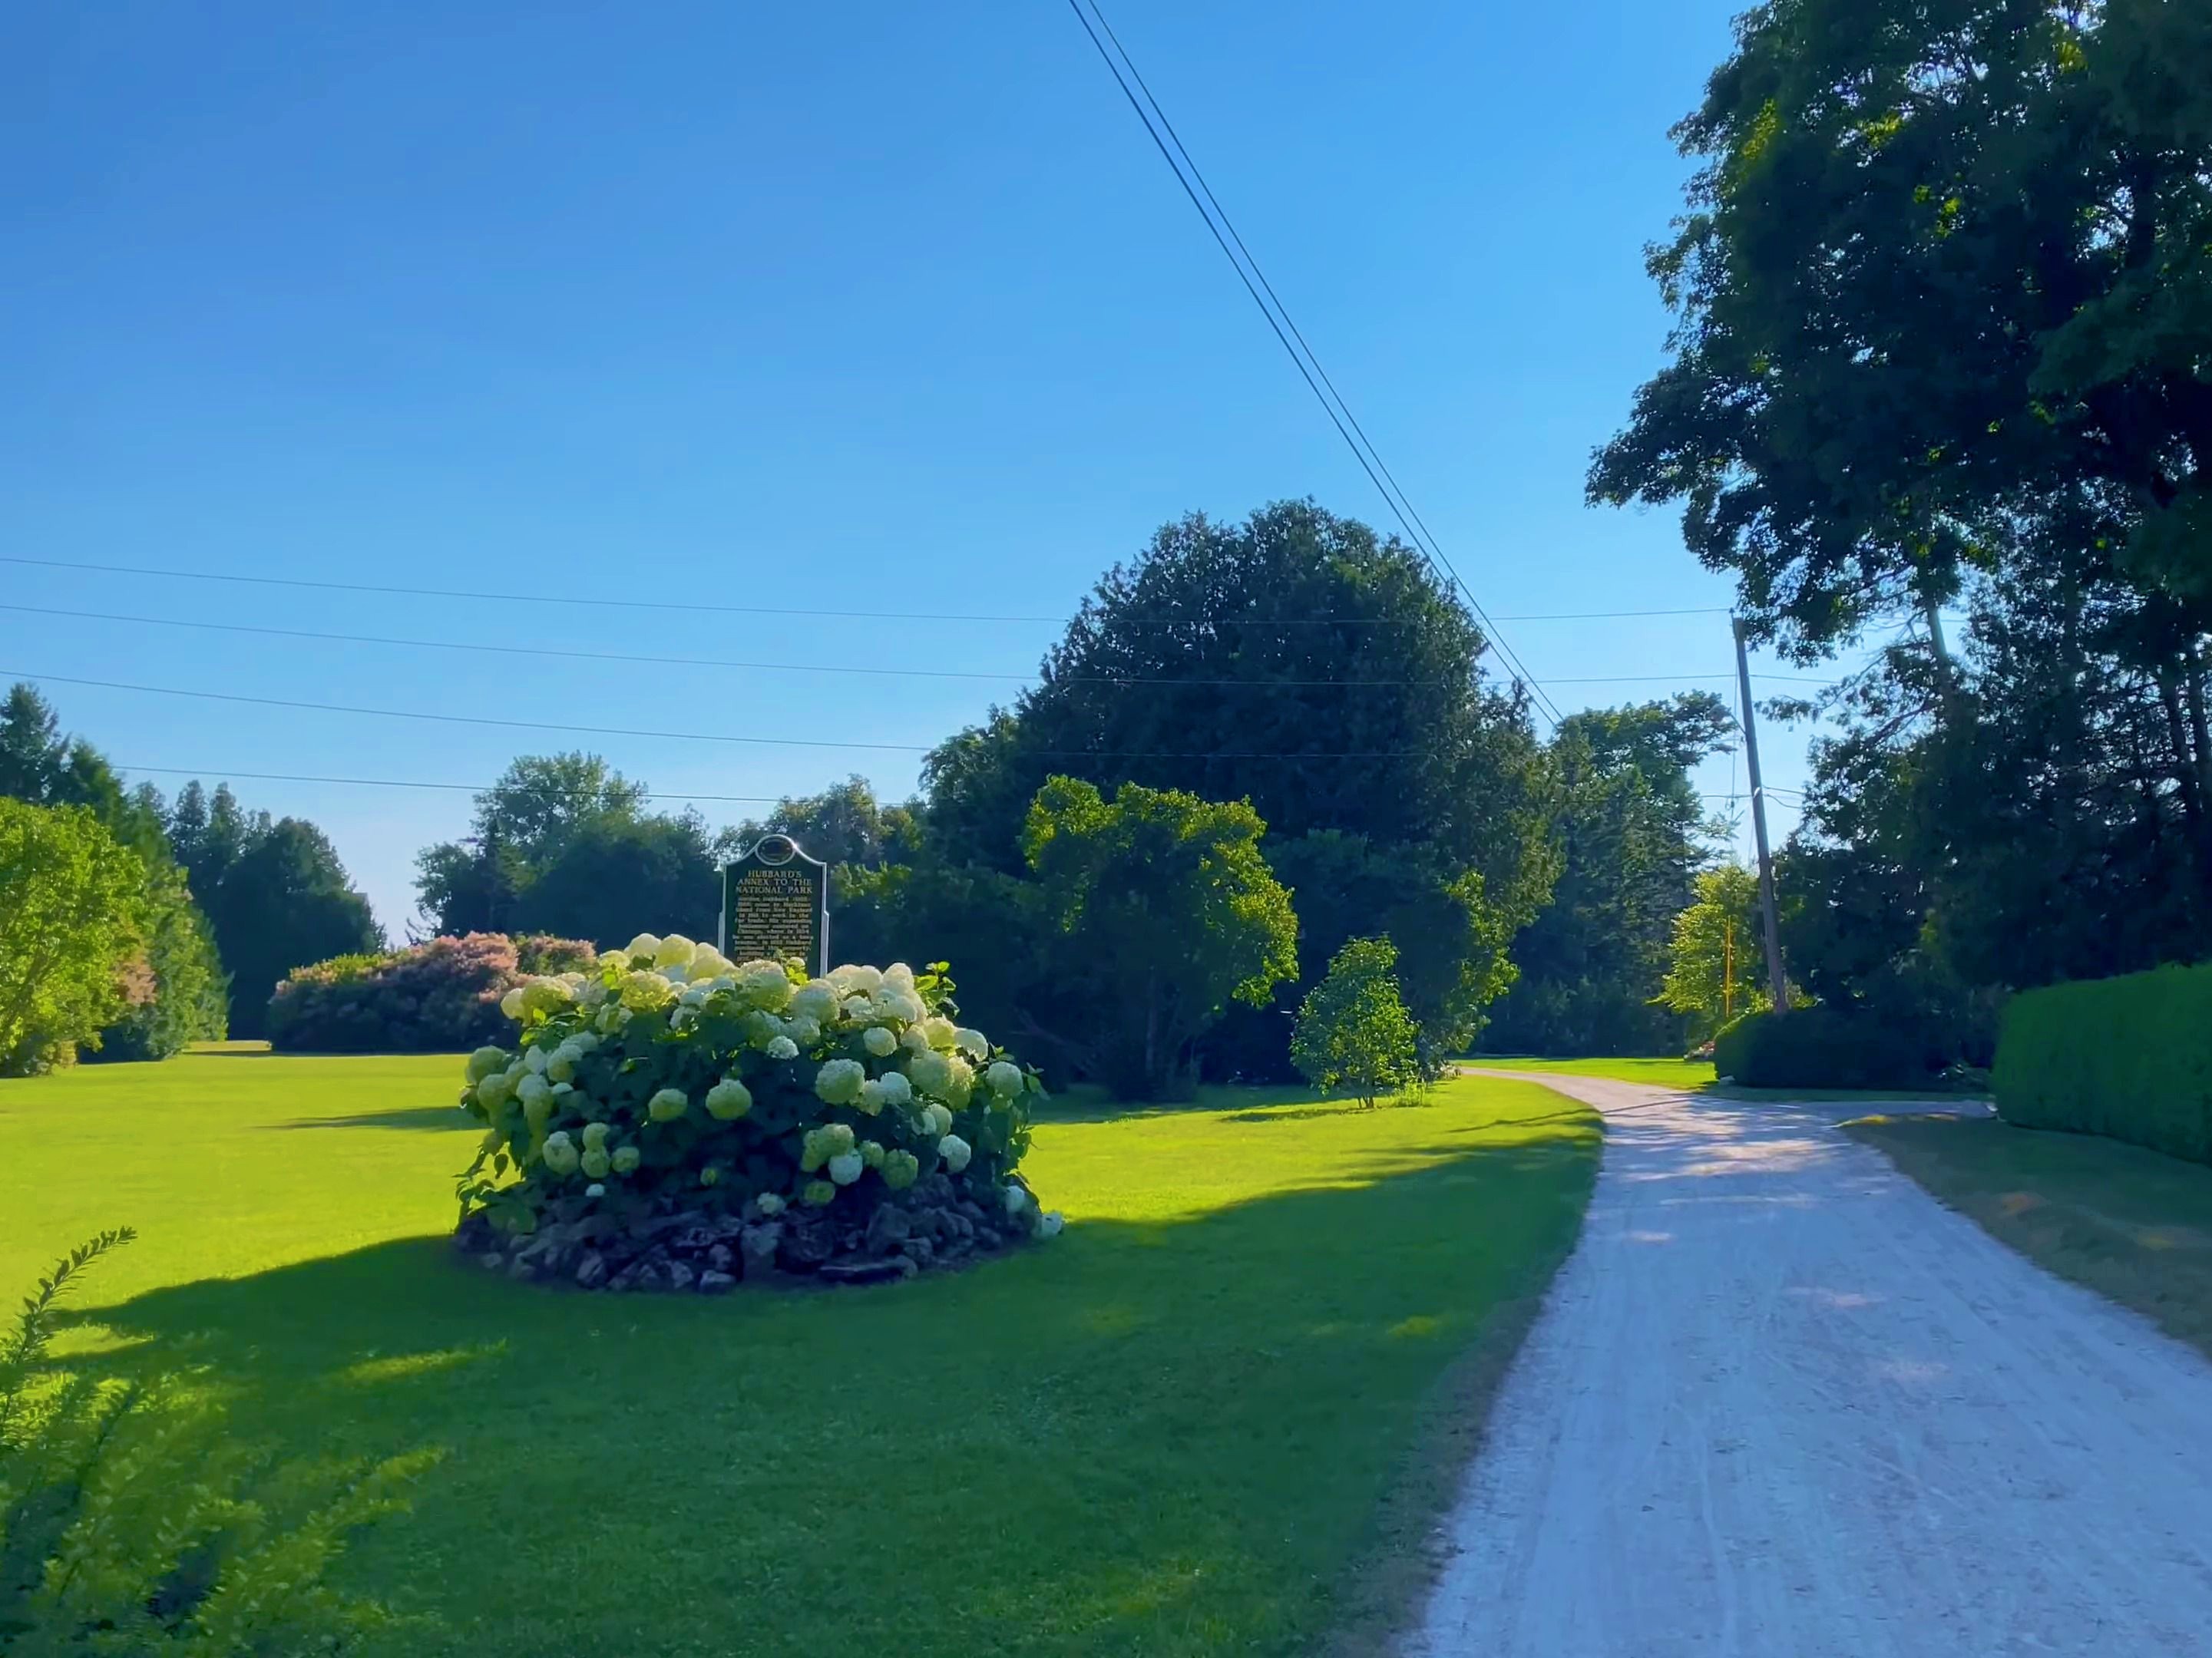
(1776, 984)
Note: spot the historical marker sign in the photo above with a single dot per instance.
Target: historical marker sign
(775, 903)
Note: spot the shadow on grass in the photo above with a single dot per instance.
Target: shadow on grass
(1200, 1434)
(445, 1117)
(1343, 1108)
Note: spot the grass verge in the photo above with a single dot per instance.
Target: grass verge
(2128, 1222)
(1186, 1427)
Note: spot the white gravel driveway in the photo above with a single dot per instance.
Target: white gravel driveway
(1782, 1403)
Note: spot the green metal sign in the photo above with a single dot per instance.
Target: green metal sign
(775, 904)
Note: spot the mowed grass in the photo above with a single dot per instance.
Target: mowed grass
(2128, 1223)
(1697, 1077)
(1685, 1074)
(1244, 1377)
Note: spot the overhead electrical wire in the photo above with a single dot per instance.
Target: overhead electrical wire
(1400, 506)
(225, 774)
(593, 601)
(658, 658)
(746, 739)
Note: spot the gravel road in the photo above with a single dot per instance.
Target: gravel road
(1782, 1403)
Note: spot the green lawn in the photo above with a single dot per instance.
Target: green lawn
(1247, 1369)
(1658, 1073)
(1696, 1075)
(2127, 1221)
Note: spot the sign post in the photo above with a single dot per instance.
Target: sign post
(775, 904)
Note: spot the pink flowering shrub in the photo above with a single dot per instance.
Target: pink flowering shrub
(432, 998)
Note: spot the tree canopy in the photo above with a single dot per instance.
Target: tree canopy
(75, 905)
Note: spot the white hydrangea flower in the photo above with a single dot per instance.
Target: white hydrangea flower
(595, 1190)
(872, 1096)
(845, 1167)
(546, 996)
(511, 1004)
(595, 1163)
(914, 1039)
(493, 1092)
(534, 1090)
(783, 1048)
(852, 979)
(839, 1081)
(728, 1100)
(940, 1120)
(676, 950)
(1005, 1079)
(855, 1010)
(678, 975)
(484, 1062)
(959, 1080)
(537, 1059)
(897, 1090)
(645, 946)
(930, 1072)
(1017, 1200)
(973, 1043)
(1050, 1226)
(667, 1105)
(769, 1204)
(956, 1152)
(561, 1090)
(695, 997)
(643, 992)
(706, 962)
(899, 1007)
(816, 999)
(764, 985)
(595, 1136)
(593, 993)
(803, 1031)
(939, 1031)
(626, 1159)
(899, 976)
(876, 1039)
(560, 1154)
(871, 1153)
(562, 1066)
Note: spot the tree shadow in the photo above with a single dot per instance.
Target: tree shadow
(1184, 1419)
(1344, 1108)
(443, 1117)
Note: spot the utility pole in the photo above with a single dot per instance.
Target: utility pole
(1775, 982)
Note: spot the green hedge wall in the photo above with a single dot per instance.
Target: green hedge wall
(1825, 1048)
(2130, 1058)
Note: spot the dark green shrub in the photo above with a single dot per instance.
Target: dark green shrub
(1825, 1047)
(2130, 1058)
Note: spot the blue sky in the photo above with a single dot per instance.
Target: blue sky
(893, 308)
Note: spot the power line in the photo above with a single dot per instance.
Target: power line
(687, 737)
(474, 647)
(598, 602)
(1405, 514)
(661, 659)
(226, 772)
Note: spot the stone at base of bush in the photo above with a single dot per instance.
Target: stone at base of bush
(698, 1252)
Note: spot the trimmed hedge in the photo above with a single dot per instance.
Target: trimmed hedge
(2129, 1058)
(1825, 1048)
(436, 997)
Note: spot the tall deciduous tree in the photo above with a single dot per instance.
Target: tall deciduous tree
(1631, 834)
(75, 906)
(1946, 276)
(1714, 972)
(1167, 912)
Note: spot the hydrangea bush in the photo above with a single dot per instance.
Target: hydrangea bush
(670, 1087)
(430, 997)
